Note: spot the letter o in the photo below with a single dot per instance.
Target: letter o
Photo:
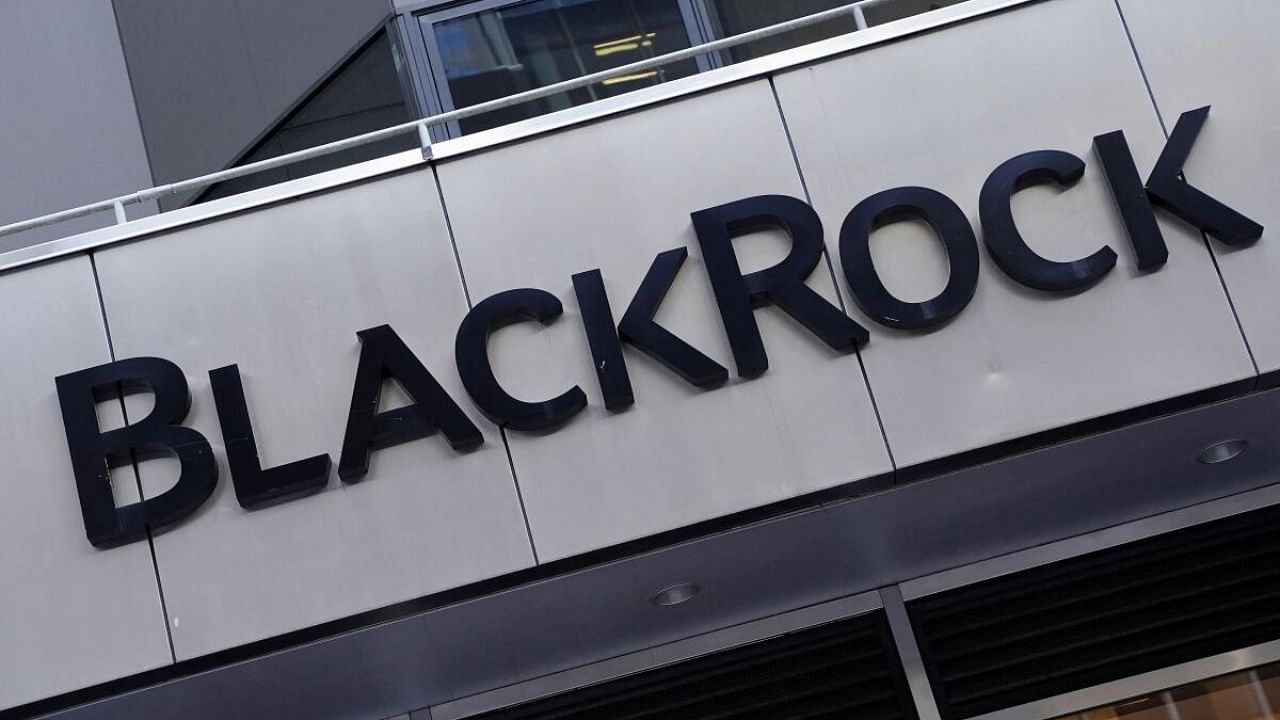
(953, 230)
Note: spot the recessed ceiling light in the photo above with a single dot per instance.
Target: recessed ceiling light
(1222, 452)
(675, 595)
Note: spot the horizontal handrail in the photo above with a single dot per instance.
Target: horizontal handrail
(422, 125)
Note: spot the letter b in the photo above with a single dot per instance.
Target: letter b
(94, 453)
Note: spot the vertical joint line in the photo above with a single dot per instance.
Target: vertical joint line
(502, 432)
(151, 544)
(528, 527)
(1164, 129)
(904, 640)
(424, 141)
(795, 157)
(448, 223)
(133, 461)
(835, 280)
(102, 307)
(1231, 303)
(1133, 47)
(875, 408)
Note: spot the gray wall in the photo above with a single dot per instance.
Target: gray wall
(68, 131)
(211, 77)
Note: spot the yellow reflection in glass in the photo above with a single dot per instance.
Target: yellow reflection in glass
(634, 42)
(629, 78)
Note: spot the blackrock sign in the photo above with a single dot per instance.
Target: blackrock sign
(385, 356)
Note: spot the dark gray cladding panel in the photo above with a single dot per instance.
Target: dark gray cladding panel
(210, 77)
(68, 135)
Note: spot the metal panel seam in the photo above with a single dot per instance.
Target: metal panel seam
(835, 279)
(133, 463)
(502, 432)
(1213, 256)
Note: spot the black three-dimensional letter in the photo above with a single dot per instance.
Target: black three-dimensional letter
(1005, 242)
(1131, 200)
(256, 486)
(602, 337)
(159, 434)
(639, 329)
(952, 228)
(783, 284)
(472, 351)
(1192, 205)
(384, 355)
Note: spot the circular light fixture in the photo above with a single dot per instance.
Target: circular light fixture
(675, 595)
(1222, 452)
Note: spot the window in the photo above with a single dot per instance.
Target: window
(739, 16)
(1249, 695)
(493, 53)
(481, 50)
(897, 9)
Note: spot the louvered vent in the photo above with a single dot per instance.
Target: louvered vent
(845, 670)
(1108, 615)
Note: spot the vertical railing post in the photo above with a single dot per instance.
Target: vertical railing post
(424, 140)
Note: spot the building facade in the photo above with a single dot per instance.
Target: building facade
(918, 364)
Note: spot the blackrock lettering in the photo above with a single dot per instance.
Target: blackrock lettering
(385, 356)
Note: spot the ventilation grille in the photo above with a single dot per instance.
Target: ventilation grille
(846, 670)
(1108, 615)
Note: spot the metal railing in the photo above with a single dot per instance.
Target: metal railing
(422, 126)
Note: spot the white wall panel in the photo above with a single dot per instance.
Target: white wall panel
(944, 109)
(1225, 55)
(282, 292)
(611, 196)
(73, 615)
